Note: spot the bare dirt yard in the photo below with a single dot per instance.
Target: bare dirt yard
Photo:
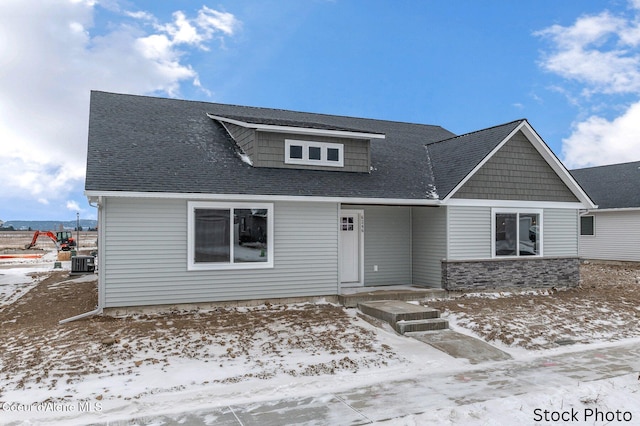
(236, 344)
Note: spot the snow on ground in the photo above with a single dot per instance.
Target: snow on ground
(167, 364)
(18, 276)
(602, 402)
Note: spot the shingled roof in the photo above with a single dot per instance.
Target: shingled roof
(611, 187)
(454, 158)
(148, 144)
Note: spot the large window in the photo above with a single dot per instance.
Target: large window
(230, 236)
(517, 233)
(313, 153)
(587, 225)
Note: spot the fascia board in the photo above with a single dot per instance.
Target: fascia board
(262, 198)
(613, 210)
(299, 130)
(472, 202)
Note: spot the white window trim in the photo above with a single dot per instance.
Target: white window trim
(202, 266)
(593, 226)
(495, 211)
(323, 161)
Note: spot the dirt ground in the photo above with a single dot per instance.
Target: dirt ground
(37, 351)
(606, 307)
(40, 353)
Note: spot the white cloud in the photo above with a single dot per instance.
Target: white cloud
(597, 141)
(73, 205)
(601, 53)
(52, 55)
(597, 51)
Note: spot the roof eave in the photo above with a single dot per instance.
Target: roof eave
(298, 130)
(94, 194)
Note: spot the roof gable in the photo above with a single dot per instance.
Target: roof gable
(458, 159)
(613, 186)
(516, 171)
(454, 159)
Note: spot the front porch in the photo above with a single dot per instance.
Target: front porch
(351, 297)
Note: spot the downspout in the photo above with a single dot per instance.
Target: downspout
(100, 306)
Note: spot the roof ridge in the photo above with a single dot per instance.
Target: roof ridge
(477, 131)
(273, 109)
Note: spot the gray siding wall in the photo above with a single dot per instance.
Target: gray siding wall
(270, 152)
(245, 138)
(617, 237)
(469, 232)
(429, 245)
(145, 259)
(560, 232)
(387, 243)
(516, 172)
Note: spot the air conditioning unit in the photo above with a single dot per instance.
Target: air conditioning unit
(83, 264)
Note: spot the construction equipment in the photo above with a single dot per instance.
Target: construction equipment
(63, 239)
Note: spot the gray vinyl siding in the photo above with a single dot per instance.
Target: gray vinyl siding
(469, 232)
(429, 245)
(387, 243)
(560, 232)
(617, 237)
(145, 260)
(270, 152)
(245, 138)
(516, 172)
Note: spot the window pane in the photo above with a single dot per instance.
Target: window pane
(586, 225)
(333, 154)
(212, 235)
(314, 153)
(295, 151)
(506, 229)
(250, 243)
(529, 241)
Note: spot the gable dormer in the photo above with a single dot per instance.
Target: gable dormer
(300, 145)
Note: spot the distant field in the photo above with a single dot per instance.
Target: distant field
(18, 239)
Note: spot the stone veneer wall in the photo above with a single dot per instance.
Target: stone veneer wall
(503, 273)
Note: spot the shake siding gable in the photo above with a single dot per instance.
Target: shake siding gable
(516, 172)
(245, 138)
(146, 256)
(270, 152)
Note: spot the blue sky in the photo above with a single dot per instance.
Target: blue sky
(572, 68)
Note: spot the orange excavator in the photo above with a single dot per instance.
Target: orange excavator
(63, 239)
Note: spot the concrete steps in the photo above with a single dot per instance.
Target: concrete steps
(352, 300)
(404, 317)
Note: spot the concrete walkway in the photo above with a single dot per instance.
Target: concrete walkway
(393, 399)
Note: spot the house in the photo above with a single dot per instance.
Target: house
(612, 232)
(201, 202)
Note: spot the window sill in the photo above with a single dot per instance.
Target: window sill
(229, 267)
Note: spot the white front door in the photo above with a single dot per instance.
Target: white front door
(350, 243)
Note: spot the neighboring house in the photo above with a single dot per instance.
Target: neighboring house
(202, 202)
(612, 232)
